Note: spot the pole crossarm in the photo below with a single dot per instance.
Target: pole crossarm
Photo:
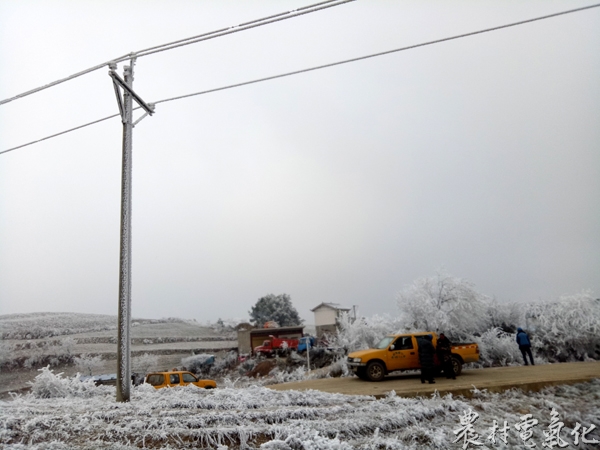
(118, 81)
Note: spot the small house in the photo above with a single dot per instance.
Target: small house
(327, 317)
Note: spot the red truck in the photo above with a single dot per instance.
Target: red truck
(275, 345)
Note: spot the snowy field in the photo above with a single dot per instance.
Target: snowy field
(62, 413)
(34, 340)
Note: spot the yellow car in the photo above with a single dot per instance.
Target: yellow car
(177, 378)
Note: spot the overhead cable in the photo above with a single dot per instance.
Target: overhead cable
(61, 133)
(387, 52)
(242, 27)
(191, 40)
(323, 66)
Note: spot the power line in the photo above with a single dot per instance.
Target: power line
(323, 66)
(181, 41)
(191, 40)
(387, 52)
(242, 27)
(61, 133)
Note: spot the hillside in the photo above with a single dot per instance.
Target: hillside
(32, 341)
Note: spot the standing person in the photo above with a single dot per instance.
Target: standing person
(426, 354)
(524, 345)
(444, 352)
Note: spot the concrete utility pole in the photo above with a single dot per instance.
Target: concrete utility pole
(124, 321)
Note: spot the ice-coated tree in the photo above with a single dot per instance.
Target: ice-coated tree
(566, 329)
(505, 316)
(145, 363)
(277, 308)
(444, 304)
(364, 332)
(87, 364)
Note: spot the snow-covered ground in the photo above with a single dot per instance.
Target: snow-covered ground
(63, 413)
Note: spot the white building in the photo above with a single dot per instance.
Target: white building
(327, 316)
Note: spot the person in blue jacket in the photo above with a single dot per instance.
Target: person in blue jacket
(524, 345)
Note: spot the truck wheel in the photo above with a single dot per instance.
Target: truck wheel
(457, 365)
(361, 373)
(375, 371)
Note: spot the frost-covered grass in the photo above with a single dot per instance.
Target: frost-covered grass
(62, 414)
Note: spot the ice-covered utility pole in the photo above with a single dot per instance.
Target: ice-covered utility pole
(125, 103)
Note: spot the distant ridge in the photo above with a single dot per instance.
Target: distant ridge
(41, 325)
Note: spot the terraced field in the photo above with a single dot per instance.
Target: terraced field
(169, 339)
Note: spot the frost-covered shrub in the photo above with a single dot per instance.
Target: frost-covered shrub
(225, 326)
(568, 329)
(37, 358)
(246, 366)
(506, 316)
(50, 385)
(42, 353)
(303, 438)
(198, 363)
(172, 320)
(66, 346)
(497, 348)
(7, 360)
(145, 363)
(281, 376)
(87, 364)
(444, 304)
(223, 365)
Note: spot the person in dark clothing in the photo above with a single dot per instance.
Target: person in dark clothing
(444, 354)
(426, 354)
(524, 345)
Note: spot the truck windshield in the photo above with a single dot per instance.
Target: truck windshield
(385, 342)
(189, 378)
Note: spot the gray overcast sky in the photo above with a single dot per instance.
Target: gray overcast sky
(480, 155)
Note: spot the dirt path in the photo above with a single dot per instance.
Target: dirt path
(528, 378)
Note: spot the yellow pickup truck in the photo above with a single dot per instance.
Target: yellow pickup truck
(400, 352)
(177, 378)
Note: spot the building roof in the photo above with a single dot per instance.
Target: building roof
(335, 306)
(267, 331)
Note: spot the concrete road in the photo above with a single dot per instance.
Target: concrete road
(496, 379)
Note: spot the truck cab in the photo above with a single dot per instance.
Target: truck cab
(274, 345)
